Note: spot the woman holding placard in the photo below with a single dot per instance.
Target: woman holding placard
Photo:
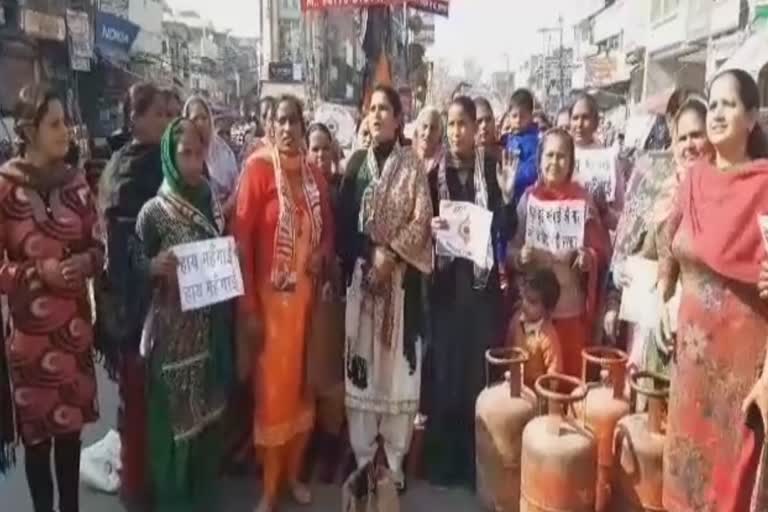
(719, 378)
(283, 227)
(188, 353)
(603, 172)
(465, 302)
(559, 228)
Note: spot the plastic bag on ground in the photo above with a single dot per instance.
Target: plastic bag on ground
(100, 464)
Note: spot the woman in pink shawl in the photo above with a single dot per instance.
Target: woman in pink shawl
(720, 348)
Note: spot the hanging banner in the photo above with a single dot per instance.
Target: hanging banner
(439, 7)
(44, 26)
(80, 40)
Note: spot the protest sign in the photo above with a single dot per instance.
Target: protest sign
(555, 226)
(762, 221)
(640, 301)
(595, 170)
(208, 272)
(468, 234)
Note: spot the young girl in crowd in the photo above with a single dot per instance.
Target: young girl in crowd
(531, 327)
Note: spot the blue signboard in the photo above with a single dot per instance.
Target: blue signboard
(114, 35)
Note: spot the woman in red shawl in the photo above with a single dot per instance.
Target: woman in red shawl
(575, 311)
(715, 242)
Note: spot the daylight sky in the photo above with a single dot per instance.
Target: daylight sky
(482, 29)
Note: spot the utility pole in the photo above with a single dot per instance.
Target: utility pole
(546, 33)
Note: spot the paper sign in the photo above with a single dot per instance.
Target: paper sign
(468, 234)
(555, 226)
(762, 221)
(208, 273)
(595, 170)
(640, 302)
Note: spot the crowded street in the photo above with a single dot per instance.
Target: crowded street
(384, 255)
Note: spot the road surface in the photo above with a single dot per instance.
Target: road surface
(236, 495)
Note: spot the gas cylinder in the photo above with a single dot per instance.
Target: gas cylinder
(604, 406)
(501, 413)
(559, 458)
(640, 448)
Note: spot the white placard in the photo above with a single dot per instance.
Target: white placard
(640, 302)
(468, 234)
(208, 272)
(595, 170)
(762, 221)
(555, 226)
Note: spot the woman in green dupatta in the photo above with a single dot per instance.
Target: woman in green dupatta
(189, 357)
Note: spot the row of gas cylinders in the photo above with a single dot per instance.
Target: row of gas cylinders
(569, 445)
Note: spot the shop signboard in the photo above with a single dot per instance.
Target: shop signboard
(115, 35)
(44, 26)
(80, 40)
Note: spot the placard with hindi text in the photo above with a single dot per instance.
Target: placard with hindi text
(208, 272)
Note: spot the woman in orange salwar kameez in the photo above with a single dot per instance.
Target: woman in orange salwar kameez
(574, 314)
(283, 236)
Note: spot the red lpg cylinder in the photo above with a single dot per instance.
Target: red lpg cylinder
(640, 448)
(501, 413)
(604, 406)
(559, 458)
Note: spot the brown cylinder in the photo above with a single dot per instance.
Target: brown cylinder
(559, 457)
(501, 413)
(604, 406)
(640, 448)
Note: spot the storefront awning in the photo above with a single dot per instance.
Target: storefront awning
(752, 56)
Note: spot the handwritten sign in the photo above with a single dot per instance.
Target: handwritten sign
(595, 170)
(208, 273)
(555, 226)
(468, 234)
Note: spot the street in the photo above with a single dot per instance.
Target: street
(236, 495)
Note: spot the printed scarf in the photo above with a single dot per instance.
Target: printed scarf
(367, 210)
(481, 199)
(283, 274)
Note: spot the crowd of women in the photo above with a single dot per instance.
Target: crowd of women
(352, 329)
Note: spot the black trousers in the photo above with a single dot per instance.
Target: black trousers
(66, 464)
